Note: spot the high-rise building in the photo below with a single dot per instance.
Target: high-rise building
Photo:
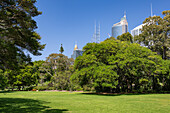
(120, 27)
(77, 52)
(137, 30)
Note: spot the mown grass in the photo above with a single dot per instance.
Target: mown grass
(66, 102)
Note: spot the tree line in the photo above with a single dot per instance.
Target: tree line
(120, 66)
(123, 65)
(114, 65)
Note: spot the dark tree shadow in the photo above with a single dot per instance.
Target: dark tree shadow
(116, 94)
(55, 111)
(7, 92)
(19, 105)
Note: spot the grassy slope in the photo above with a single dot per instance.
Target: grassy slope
(58, 102)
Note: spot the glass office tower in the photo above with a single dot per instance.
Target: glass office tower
(120, 27)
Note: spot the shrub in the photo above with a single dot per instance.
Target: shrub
(29, 88)
(76, 87)
(87, 88)
(41, 88)
(52, 88)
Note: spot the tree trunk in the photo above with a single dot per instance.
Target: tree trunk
(12, 88)
(19, 88)
(164, 53)
(153, 82)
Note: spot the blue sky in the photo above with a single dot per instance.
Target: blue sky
(67, 21)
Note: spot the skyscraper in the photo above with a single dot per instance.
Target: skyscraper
(137, 30)
(120, 27)
(77, 52)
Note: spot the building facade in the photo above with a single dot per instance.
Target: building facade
(77, 52)
(137, 30)
(120, 27)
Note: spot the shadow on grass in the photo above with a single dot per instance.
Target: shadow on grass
(19, 105)
(120, 94)
(7, 91)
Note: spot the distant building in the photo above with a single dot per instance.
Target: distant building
(137, 30)
(120, 27)
(77, 52)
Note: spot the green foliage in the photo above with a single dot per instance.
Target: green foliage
(126, 37)
(41, 88)
(155, 34)
(120, 66)
(25, 77)
(11, 77)
(92, 68)
(17, 32)
(61, 49)
(143, 81)
(61, 80)
(105, 78)
(57, 70)
(3, 80)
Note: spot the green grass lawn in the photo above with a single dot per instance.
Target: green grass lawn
(66, 102)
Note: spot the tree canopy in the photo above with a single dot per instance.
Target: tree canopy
(57, 70)
(126, 37)
(17, 32)
(156, 34)
(119, 66)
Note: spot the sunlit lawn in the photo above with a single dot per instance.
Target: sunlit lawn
(61, 102)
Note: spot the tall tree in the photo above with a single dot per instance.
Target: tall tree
(61, 49)
(156, 34)
(17, 29)
(119, 66)
(57, 68)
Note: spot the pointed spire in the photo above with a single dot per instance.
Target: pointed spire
(151, 10)
(125, 14)
(75, 47)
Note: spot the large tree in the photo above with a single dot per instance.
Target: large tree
(57, 70)
(17, 32)
(120, 66)
(156, 34)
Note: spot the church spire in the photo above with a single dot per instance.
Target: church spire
(125, 14)
(75, 47)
